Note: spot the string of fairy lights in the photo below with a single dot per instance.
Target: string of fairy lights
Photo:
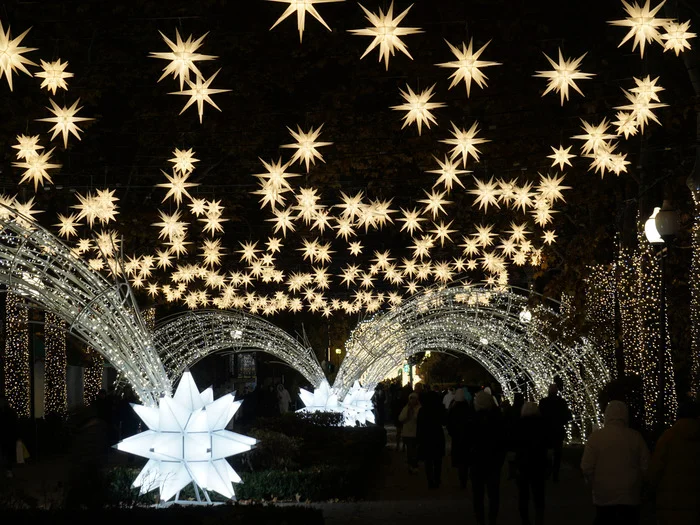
(92, 376)
(17, 376)
(55, 366)
(694, 283)
(600, 300)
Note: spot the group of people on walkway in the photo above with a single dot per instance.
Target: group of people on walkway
(487, 432)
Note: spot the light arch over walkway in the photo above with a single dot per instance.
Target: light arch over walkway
(523, 351)
(183, 339)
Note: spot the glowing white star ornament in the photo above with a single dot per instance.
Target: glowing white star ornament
(643, 24)
(306, 144)
(64, 120)
(200, 92)
(187, 442)
(11, 58)
(182, 56)
(561, 156)
(54, 75)
(418, 107)
(677, 36)
(357, 406)
(386, 32)
(563, 76)
(322, 399)
(468, 66)
(301, 7)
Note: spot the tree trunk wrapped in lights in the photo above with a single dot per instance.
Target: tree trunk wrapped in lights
(17, 374)
(55, 391)
(92, 376)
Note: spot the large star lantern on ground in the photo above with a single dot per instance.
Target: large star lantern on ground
(357, 406)
(187, 442)
(322, 399)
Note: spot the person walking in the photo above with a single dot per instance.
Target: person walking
(409, 418)
(283, 399)
(675, 470)
(556, 413)
(430, 437)
(486, 456)
(530, 440)
(448, 398)
(615, 461)
(459, 421)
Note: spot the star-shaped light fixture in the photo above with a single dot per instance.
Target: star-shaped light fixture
(200, 92)
(448, 172)
(563, 76)
(434, 203)
(676, 37)
(561, 156)
(468, 66)
(64, 121)
(306, 146)
(464, 142)
(183, 161)
(66, 225)
(643, 24)
(386, 32)
(182, 57)
(11, 55)
(187, 442)
(54, 75)
(35, 168)
(301, 7)
(27, 146)
(487, 193)
(418, 107)
(177, 186)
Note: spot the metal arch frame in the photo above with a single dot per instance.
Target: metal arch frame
(454, 319)
(35, 264)
(183, 339)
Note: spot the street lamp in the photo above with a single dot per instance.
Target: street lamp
(660, 228)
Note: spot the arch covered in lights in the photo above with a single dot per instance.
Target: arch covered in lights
(38, 266)
(523, 347)
(185, 338)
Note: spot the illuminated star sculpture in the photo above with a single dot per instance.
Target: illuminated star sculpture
(418, 107)
(182, 56)
(306, 145)
(200, 92)
(183, 161)
(177, 186)
(64, 121)
(563, 76)
(357, 406)
(11, 58)
(27, 146)
(301, 7)
(54, 75)
(468, 66)
(464, 143)
(36, 167)
(322, 399)
(386, 32)
(187, 442)
(677, 36)
(561, 156)
(643, 24)
(448, 172)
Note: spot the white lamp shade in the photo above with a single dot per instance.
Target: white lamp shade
(666, 220)
(650, 231)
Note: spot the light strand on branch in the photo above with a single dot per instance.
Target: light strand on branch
(600, 311)
(694, 301)
(55, 391)
(92, 377)
(17, 375)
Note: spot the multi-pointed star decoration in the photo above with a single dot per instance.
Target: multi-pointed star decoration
(27, 146)
(434, 203)
(386, 32)
(563, 76)
(54, 75)
(468, 66)
(643, 24)
(306, 146)
(676, 37)
(595, 137)
(11, 55)
(64, 121)
(464, 143)
(183, 161)
(177, 186)
(301, 7)
(411, 221)
(561, 156)
(182, 57)
(200, 92)
(66, 225)
(448, 172)
(487, 193)
(187, 442)
(418, 107)
(35, 168)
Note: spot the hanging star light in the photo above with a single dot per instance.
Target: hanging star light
(355, 248)
(183, 161)
(442, 232)
(563, 76)
(67, 225)
(11, 52)
(418, 107)
(551, 188)
(386, 32)
(676, 37)
(64, 121)
(351, 206)
(641, 108)
(177, 186)
(200, 92)
(595, 137)
(487, 193)
(464, 143)
(301, 7)
(171, 227)
(54, 75)
(643, 24)
(36, 167)
(306, 145)
(468, 66)
(561, 156)
(411, 221)
(434, 203)
(182, 56)
(187, 442)
(626, 123)
(448, 172)
(283, 220)
(27, 146)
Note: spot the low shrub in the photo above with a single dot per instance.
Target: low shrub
(274, 450)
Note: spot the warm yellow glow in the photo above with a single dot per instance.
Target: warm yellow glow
(301, 7)
(54, 75)
(564, 76)
(200, 92)
(468, 66)
(418, 107)
(64, 121)
(11, 52)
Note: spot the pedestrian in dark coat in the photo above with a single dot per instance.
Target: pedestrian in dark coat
(556, 413)
(486, 456)
(430, 437)
(459, 421)
(530, 440)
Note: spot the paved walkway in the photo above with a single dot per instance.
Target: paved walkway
(402, 498)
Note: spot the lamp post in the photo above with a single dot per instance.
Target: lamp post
(661, 228)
